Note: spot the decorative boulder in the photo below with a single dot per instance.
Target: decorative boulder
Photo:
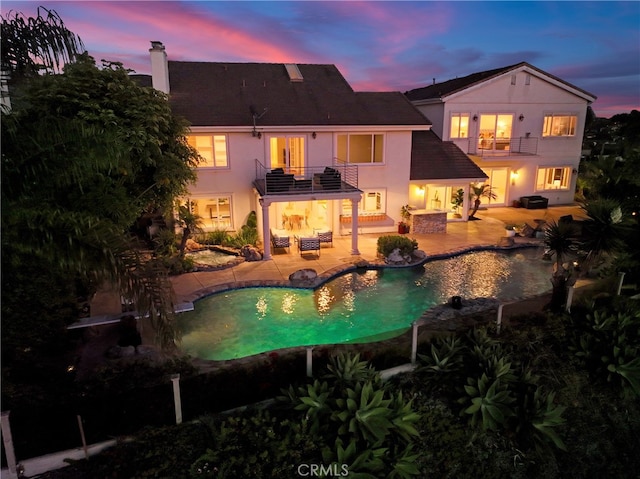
(506, 242)
(250, 253)
(419, 255)
(117, 352)
(528, 231)
(303, 275)
(396, 258)
(192, 245)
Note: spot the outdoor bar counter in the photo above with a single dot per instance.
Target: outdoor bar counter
(429, 221)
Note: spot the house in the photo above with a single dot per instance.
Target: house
(295, 144)
(522, 126)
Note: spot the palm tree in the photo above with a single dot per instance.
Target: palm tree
(190, 223)
(479, 191)
(561, 242)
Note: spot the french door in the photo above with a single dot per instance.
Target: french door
(287, 152)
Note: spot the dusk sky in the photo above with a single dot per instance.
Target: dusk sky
(378, 46)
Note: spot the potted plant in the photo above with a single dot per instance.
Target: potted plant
(405, 213)
(510, 230)
(457, 201)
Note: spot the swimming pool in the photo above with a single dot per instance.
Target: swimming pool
(357, 307)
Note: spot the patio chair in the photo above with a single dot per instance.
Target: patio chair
(326, 237)
(280, 239)
(308, 244)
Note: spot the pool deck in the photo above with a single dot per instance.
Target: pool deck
(484, 232)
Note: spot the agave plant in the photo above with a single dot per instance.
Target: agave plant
(491, 402)
(349, 370)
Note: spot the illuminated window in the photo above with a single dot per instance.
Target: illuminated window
(495, 132)
(556, 178)
(559, 125)
(459, 125)
(373, 201)
(212, 148)
(361, 148)
(215, 212)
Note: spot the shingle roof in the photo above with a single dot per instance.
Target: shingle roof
(434, 159)
(440, 90)
(227, 94)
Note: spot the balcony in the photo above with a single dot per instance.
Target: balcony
(523, 145)
(306, 180)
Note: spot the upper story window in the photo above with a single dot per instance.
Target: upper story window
(495, 132)
(213, 148)
(459, 125)
(559, 125)
(361, 148)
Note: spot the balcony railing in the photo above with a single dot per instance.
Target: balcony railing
(306, 179)
(523, 145)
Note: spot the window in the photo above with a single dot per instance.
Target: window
(495, 132)
(373, 202)
(459, 125)
(213, 148)
(360, 148)
(559, 125)
(556, 178)
(215, 212)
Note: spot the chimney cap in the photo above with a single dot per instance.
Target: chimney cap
(156, 45)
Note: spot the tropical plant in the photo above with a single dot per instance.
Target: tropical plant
(479, 191)
(386, 245)
(190, 223)
(491, 402)
(458, 200)
(561, 241)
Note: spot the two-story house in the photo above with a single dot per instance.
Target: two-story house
(297, 145)
(521, 125)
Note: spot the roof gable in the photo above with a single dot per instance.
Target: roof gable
(445, 90)
(229, 94)
(434, 159)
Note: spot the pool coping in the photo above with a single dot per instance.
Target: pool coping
(331, 273)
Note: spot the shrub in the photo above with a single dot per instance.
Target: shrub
(216, 237)
(386, 245)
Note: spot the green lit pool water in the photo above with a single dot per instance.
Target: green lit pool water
(357, 307)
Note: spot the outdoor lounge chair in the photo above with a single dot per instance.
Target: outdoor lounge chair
(325, 236)
(280, 239)
(308, 244)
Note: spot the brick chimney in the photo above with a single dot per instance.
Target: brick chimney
(159, 67)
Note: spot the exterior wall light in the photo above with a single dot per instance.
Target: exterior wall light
(521, 117)
(475, 117)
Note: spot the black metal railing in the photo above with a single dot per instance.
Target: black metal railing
(305, 179)
(523, 145)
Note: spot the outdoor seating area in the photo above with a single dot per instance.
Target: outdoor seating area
(534, 202)
(330, 179)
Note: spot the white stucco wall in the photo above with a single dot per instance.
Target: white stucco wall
(542, 96)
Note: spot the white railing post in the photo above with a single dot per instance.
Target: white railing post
(7, 439)
(620, 281)
(567, 307)
(414, 342)
(499, 318)
(310, 361)
(175, 379)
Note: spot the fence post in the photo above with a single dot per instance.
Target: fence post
(499, 318)
(7, 439)
(82, 436)
(567, 307)
(175, 379)
(414, 342)
(620, 281)
(309, 361)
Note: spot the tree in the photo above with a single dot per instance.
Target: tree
(190, 223)
(35, 46)
(84, 154)
(479, 191)
(561, 241)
